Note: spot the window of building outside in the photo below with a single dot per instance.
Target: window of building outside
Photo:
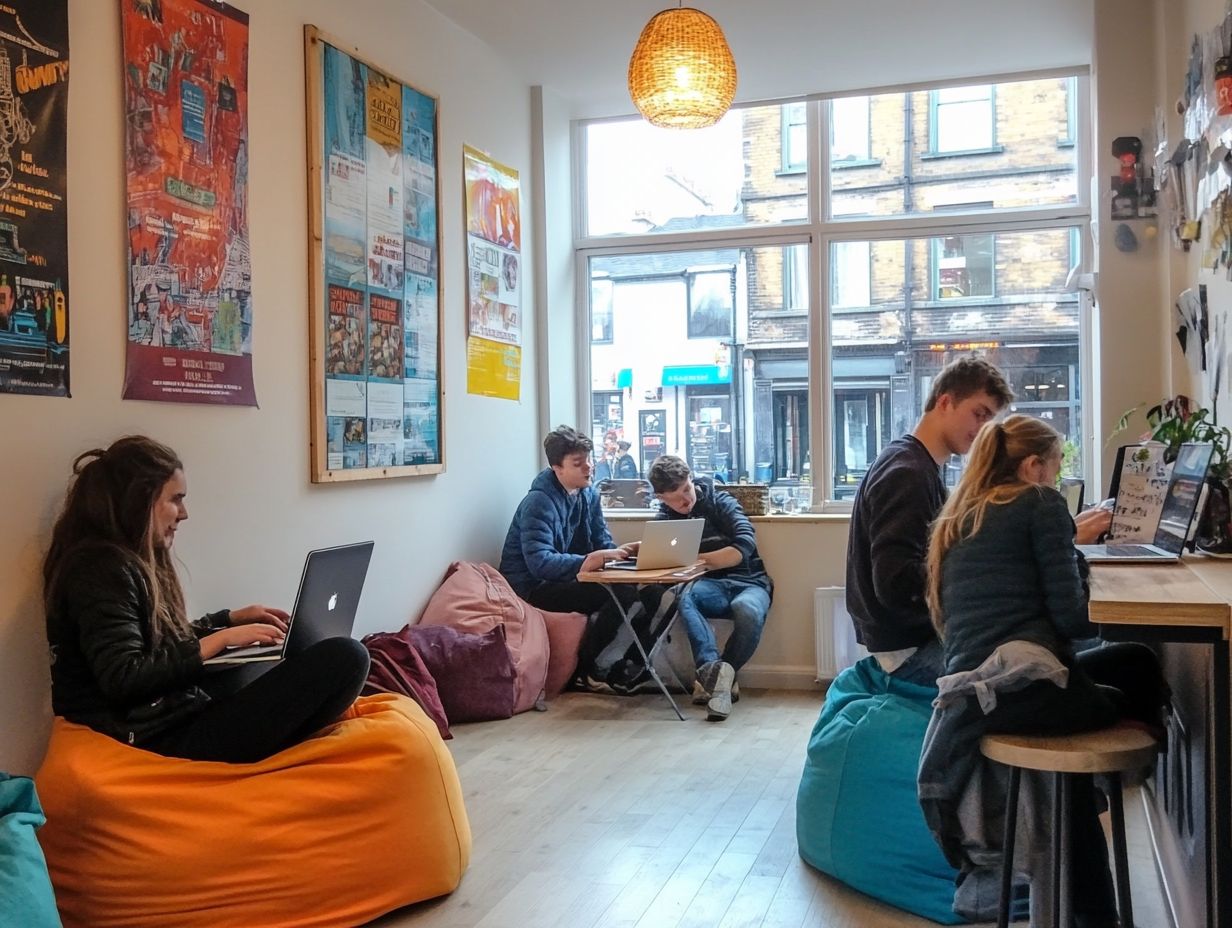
(849, 135)
(964, 267)
(795, 139)
(601, 311)
(962, 119)
(712, 303)
(700, 328)
(850, 274)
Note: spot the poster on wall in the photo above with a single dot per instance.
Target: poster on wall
(377, 396)
(189, 308)
(493, 277)
(34, 303)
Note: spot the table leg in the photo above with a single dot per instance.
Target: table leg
(637, 642)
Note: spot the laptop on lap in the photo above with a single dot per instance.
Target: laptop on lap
(325, 606)
(1175, 517)
(665, 543)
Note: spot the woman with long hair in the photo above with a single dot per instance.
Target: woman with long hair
(1008, 595)
(127, 662)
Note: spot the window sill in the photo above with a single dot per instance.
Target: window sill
(791, 171)
(850, 165)
(966, 153)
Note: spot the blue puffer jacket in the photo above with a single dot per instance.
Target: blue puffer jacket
(551, 534)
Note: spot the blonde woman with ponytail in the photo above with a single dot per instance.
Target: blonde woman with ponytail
(125, 659)
(1007, 593)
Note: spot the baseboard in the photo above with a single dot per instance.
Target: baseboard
(782, 678)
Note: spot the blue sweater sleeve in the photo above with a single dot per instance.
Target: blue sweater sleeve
(1065, 592)
(543, 560)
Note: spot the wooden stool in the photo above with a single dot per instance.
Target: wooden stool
(1108, 751)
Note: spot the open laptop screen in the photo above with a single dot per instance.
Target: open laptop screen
(1184, 493)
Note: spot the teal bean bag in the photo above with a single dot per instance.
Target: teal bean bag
(857, 816)
(25, 888)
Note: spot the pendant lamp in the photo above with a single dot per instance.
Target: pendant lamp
(682, 74)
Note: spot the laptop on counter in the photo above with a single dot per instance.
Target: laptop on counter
(665, 543)
(1176, 515)
(325, 606)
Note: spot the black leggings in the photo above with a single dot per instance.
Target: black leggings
(1107, 683)
(293, 699)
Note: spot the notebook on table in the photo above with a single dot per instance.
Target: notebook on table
(665, 543)
(1174, 517)
(325, 606)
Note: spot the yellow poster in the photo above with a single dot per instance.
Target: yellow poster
(384, 111)
(494, 275)
(493, 368)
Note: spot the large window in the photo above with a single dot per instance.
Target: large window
(944, 223)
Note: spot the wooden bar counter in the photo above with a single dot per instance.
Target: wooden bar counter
(1179, 605)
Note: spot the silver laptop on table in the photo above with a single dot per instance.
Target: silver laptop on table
(325, 606)
(665, 543)
(1175, 517)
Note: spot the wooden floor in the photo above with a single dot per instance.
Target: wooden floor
(608, 812)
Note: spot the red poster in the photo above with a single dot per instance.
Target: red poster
(190, 277)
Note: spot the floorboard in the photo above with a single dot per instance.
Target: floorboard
(608, 812)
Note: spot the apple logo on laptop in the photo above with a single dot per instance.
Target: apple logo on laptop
(673, 542)
(333, 601)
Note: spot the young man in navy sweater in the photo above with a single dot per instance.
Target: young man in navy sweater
(896, 503)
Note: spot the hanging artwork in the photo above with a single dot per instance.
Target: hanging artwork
(34, 304)
(189, 311)
(377, 399)
(493, 278)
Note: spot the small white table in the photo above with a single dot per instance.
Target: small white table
(669, 576)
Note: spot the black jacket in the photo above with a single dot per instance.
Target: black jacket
(105, 672)
(895, 504)
(726, 525)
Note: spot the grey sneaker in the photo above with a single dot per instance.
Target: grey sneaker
(721, 693)
(701, 695)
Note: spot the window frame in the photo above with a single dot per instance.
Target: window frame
(819, 231)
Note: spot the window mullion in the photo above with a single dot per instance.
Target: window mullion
(820, 392)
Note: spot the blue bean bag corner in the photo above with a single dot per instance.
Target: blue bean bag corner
(26, 896)
(857, 816)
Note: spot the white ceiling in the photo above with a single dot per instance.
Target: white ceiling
(580, 49)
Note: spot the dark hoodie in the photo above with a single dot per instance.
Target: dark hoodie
(726, 525)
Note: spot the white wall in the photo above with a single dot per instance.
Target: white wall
(254, 513)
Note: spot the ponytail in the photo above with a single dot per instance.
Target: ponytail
(991, 479)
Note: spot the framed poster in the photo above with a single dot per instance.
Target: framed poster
(189, 307)
(34, 304)
(377, 396)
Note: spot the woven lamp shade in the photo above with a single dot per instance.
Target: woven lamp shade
(682, 74)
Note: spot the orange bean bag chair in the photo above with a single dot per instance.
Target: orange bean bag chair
(362, 818)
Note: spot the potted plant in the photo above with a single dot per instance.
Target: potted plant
(1174, 422)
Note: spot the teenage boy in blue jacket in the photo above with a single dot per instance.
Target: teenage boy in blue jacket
(559, 531)
(737, 586)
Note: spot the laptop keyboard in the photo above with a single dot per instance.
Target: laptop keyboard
(1131, 551)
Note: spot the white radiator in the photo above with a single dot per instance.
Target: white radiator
(837, 648)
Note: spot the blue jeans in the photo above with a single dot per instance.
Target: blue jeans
(924, 666)
(746, 604)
